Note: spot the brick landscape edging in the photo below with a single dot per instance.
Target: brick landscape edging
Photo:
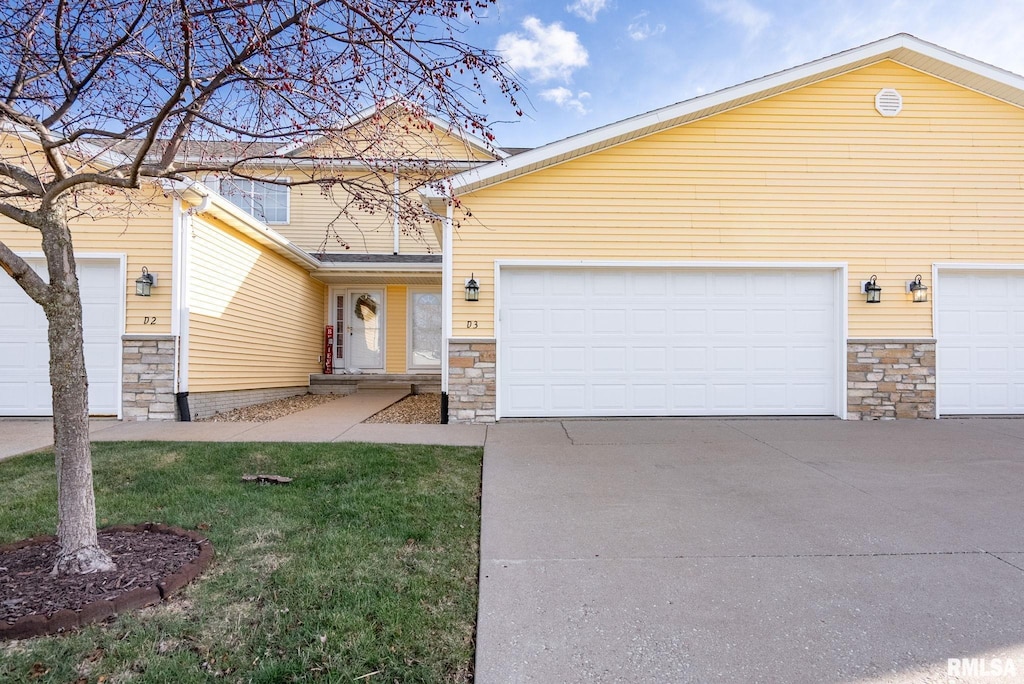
(36, 624)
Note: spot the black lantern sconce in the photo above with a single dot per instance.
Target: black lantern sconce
(145, 283)
(873, 290)
(918, 289)
(472, 289)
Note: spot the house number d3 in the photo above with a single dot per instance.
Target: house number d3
(472, 324)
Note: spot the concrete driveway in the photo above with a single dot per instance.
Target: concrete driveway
(752, 551)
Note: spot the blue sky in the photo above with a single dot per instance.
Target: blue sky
(587, 63)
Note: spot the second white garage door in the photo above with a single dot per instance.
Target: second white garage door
(979, 324)
(665, 342)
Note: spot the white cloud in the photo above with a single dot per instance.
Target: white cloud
(743, 13)
(954, 25)
(566, 99)
(639, 29)
(587, 9)
(545, 53)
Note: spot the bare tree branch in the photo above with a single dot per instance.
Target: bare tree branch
(78, 85)
(27, 180)
(23, 274)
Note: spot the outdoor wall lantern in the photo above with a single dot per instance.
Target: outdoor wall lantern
(144, 283)
(873, 290)
(918, 289)
(472, 289)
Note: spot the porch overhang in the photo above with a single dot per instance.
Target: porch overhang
(382, 269)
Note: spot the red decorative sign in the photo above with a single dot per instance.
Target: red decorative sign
(329, 350)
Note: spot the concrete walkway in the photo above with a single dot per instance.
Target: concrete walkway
(336, 421)
(751, 551)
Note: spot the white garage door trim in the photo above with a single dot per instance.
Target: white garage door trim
(840, 304)
(120, 259)
(938, 270)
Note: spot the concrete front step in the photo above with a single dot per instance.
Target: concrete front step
(416, 383)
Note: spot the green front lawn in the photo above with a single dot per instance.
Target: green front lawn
(366, 563)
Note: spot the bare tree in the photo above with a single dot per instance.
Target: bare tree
(106, 95)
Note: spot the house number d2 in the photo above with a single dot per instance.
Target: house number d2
(149, 320)
(472, 324)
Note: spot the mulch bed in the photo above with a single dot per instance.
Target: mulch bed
(153, 561)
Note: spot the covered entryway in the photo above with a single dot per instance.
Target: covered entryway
(357, 316)
(979, 327)
(24, 351)
(654, 341)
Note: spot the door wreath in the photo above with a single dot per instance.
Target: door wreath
(365, 303)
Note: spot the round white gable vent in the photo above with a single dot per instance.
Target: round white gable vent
(888, 102)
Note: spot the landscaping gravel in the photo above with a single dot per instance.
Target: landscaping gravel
(272, 410)
(416, 408)
(420, 409)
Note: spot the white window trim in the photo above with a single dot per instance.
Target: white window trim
(409, 365)
(215, 181)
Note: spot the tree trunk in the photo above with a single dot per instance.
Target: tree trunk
(79, 552)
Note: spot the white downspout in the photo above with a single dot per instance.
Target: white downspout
(177, 285)
(176, 280)
(446, 294)
(183, 320)
(395, 209)
(183, 234)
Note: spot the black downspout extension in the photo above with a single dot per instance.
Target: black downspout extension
(183, 412)
(444, 408)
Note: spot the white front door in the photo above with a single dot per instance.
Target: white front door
(359, 329)
(667, 342)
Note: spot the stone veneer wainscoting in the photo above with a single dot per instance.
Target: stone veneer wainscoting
(889, 379)
(147, 377)
(471, 380)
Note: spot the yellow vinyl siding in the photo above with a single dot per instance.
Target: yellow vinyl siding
(255, 319)
(143, 232)
(421, 238)
(325, 219)
(395, 341)
(394, 134)
(811, 175)
(328, 219)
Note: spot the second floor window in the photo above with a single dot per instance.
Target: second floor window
(266, 201)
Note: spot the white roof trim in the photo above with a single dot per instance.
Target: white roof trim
(666, 117)
(373, 267)
(468, 138)
(365, 114)
(239, 219)
(358, 164)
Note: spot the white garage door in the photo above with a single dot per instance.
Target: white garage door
(980, 332)
(665, 342)
(25, 355)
